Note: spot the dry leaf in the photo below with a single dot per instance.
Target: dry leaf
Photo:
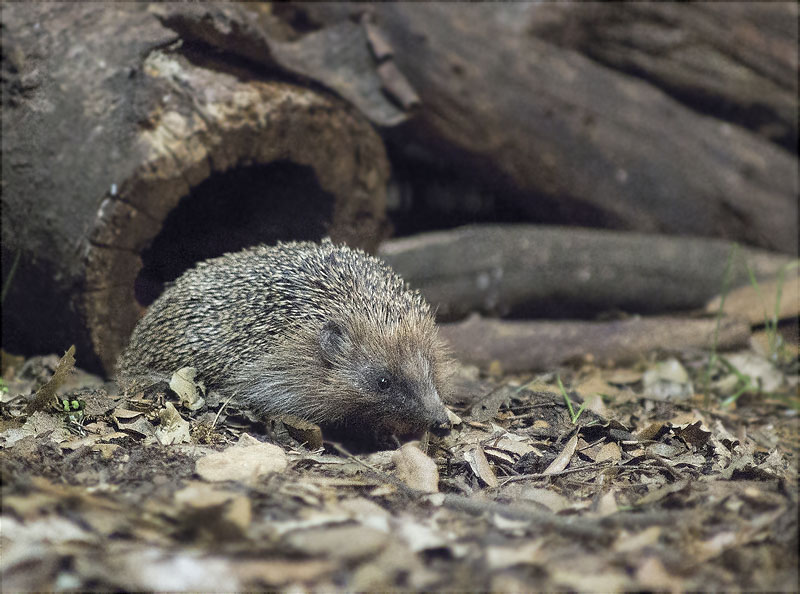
(106, 450)
(629, 543)
(609, 451)
(563, 459)
(668, 380)
(498, 557)
(498, 455)
(419, 536)
(694, 435)
(173, 428)
(659, 494)
(653, 576)
(242, 463)
(515, 444)
(37, 424)
(546, 498)
(303, 431)
(416, 469)
(46, 395)
(225, 513)
(607, 504)
(189, 391)
(279, 572)
(477, 461)
(348, 543)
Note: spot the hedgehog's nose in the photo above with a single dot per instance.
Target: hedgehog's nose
(441, 428)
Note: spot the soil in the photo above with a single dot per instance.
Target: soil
(679, 473)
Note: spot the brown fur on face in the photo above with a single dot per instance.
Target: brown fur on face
(386, 377)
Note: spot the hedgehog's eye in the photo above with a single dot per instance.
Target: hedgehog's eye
(384, 383)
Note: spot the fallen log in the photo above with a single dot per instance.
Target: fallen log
(735, 61)
(128, 155)
(542, 271)
(564, 138)
(538, 346)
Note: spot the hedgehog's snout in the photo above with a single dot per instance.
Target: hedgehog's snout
(439, 419)
(441, 428)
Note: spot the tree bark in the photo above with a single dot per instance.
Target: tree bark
(568, 139)
(111, 126)
(537, 271)
(736, 61)
(539, 345)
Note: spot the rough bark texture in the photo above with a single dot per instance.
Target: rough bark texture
(735, 60)
(539, 346)
(570, 139)
(344, 57)
(559, 271)
(108, 123)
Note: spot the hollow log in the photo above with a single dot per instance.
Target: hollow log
(543, 271)
(128, 155)
(567, 139)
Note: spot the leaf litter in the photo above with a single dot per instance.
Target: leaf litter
(651, 486)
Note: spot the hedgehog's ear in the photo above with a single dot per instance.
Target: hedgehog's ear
(331, 341)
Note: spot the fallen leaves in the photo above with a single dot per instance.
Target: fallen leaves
(222, 514)
(661, 496)
(173, 427)
(416, 469)
(45, 396)
(190, 392)
(563, 459)
(479, 465)
(246, 463)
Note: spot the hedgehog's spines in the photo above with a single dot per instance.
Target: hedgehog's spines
(251, 323)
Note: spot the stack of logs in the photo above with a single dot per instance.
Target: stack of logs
(662, 133)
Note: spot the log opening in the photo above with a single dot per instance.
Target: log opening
(230, 211)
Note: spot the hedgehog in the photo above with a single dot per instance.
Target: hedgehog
(323, 332)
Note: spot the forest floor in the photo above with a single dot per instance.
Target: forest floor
(679, 473)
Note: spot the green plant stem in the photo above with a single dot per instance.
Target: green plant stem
(726, 280)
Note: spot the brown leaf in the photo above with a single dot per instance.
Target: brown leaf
(46, 395)
(693, 434)
(609, 451)
(278, 572)
(338, 542)
(563, 459)
(242, 463)
(226, 514)
(305, 432)
(663, 492)
(477, 461)
(416, 469)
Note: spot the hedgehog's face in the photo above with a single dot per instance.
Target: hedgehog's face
(393, 377)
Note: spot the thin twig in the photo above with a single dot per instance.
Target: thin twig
(522, 477)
